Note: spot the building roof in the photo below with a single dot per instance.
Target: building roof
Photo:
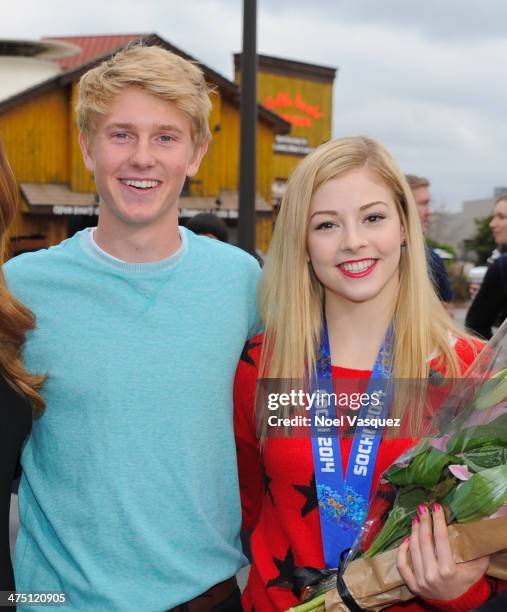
(58, 199)
(289, 67)
(227, 88)
(42, 49)
(51, 198)
(92, 44)
(25, 63)
(226, 203)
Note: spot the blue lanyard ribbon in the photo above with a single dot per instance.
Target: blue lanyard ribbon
(343, 503)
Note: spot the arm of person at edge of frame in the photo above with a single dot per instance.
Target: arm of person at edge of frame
(487, 304)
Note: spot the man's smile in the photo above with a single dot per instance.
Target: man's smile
(140, 184)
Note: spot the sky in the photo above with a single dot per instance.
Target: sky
(427, 79)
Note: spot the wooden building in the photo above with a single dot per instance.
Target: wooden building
(58, 194)
(302, 94)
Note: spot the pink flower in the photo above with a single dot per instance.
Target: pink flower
(460, 471)
(502, 511)
(441, 443)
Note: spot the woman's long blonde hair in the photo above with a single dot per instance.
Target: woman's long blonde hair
(290, 296)
(15, 319)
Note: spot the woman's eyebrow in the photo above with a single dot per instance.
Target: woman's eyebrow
(370, 204)
(333, 212)
(323, 212)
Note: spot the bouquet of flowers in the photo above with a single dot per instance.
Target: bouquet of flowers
(464, 469)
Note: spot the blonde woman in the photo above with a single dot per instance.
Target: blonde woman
(344, 292)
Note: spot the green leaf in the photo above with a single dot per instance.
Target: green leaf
(480, 496)
(491, 434)
(479, 459)
(399, 520)
(315, 604)
(443, 488)
(425, 469)
(492, 392)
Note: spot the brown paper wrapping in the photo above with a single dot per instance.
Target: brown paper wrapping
(376, 583)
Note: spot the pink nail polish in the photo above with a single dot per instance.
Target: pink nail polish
(406, 540)
(422, 509)
(415, 520)
(436, 507)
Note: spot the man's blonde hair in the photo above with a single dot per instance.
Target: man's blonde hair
(416, 181)
(501, 198)
(159, 72)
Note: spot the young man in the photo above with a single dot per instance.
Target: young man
(129, 498)
(420, 187)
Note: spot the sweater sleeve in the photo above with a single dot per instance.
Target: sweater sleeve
(488, 303)
(476, 595)
(439, 276)
(247, 445)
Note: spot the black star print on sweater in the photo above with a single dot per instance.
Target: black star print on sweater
(245, 355)
(310, 493)
(285, 578)
(267, 485)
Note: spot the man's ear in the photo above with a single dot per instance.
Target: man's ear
(87, 158)
(195, 160)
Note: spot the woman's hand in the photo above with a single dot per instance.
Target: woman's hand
(434, 574)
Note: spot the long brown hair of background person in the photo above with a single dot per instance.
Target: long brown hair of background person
(15, 319)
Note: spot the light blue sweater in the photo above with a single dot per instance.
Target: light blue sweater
(129, 498)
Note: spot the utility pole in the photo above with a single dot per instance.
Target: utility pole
(248, 110)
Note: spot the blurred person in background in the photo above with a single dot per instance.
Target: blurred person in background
(19, 391)
(420, 187)
(489, 308)
(208, 224)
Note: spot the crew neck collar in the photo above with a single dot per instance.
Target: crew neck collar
(89, 245)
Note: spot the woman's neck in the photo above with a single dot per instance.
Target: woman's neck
(356, 331)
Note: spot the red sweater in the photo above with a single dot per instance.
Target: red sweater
(279, 500)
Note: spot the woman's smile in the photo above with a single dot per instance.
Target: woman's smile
(358, 268)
